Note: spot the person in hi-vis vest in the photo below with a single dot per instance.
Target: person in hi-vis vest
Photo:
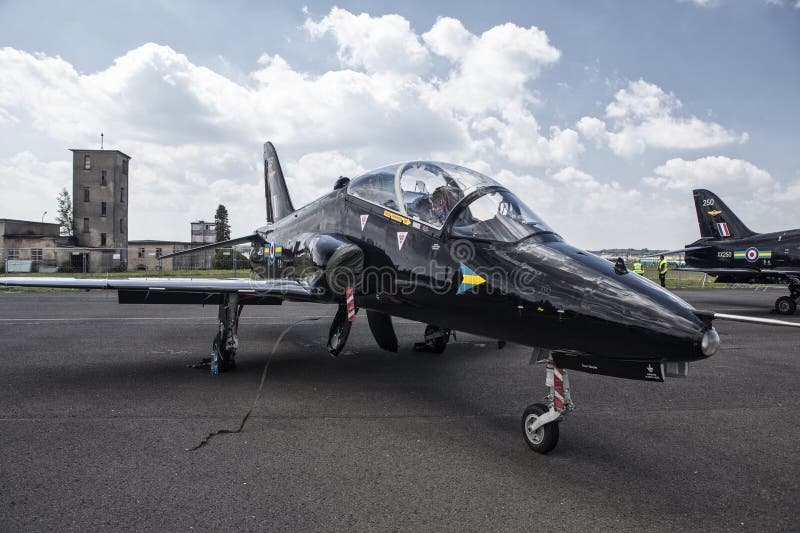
(662, 271)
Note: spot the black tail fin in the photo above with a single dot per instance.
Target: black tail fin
(279, 204)
(716, 220)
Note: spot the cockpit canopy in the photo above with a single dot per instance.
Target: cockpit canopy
(435, 193)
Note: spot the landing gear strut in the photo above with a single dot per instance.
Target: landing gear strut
(787, 305)
(436, 340)
(223, 349)
(540, 421)
(340, 330)
(342, 322)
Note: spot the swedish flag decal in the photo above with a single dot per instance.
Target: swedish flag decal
(469, 279)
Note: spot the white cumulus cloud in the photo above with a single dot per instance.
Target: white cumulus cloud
(644, 116)
(521, 142)
(374, 44)
(314, 174)
(491, 70)
(706, 172)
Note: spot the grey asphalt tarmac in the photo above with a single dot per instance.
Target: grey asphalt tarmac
(98, 406)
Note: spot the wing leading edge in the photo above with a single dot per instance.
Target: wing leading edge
(284, 289)
(753, 271)
(679, 250)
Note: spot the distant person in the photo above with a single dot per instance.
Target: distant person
(662, 271)
(638, 268)
(619, 266)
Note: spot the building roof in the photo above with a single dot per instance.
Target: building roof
(27, 221)
(101, 151)
(158, 242)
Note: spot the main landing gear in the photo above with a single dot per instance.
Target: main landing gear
(787, 305)
(342, 322)
(436, 340)
(340, 330)
(540, 421)
(226, 342)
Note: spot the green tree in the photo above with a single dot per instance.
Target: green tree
(64, 217)
(221, 223)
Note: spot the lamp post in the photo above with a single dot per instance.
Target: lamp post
(43, 214)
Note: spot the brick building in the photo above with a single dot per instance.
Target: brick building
(143, 255)
(29, 246)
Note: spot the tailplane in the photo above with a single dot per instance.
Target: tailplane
(279, 204)
(716, 220)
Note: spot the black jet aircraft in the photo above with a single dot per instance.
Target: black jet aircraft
(733, 253)
(449, 247)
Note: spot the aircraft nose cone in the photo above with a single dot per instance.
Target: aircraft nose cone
(612, 312)
(710, 343)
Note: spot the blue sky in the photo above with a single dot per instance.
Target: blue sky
(602, 114)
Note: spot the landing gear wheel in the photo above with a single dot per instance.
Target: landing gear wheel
(785, 305)
(340, 330)
(544, 438)
(436, 339)
(224, 358)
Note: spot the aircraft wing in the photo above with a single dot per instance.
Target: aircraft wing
(211, 246)
(782, 271)
(283, 289)
(716, 271)
(752, 271)
(678, 251)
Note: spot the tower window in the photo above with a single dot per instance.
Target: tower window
(103, 209)
(86, 225)
(87, 162)
(103, 239)
(122, 225)
(124, 166)
(122, 195)
(86, 194)
(103, 178)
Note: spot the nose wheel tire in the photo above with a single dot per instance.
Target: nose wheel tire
(545, 438)
(785, 305)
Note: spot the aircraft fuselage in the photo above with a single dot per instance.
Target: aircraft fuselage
(764, 251)
(539, 292)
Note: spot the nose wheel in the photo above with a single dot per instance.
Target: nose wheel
(540, 420)
(544, 438)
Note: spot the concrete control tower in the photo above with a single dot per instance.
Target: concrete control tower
(100, 206)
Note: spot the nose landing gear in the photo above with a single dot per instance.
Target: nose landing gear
(540, 421)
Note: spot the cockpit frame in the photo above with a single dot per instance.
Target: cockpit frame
(461, 187)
